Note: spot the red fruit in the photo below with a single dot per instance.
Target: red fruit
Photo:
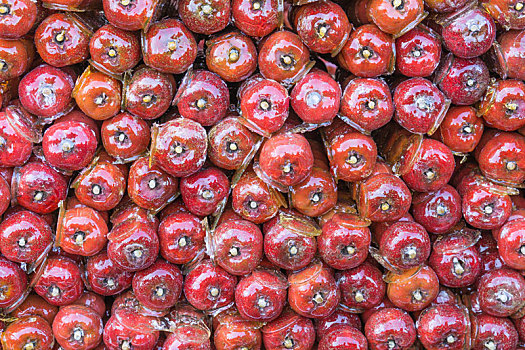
(253, 199)
(132, 245)
(205, 17)
(264, 105)
(507, 13)
(119, 336)
(361, 287)
(34, 305)
(238, 246)
(339, 317)
(62, 39)
(92, 301)
(322, 26)
(46, 91)
(396, 18)
(484, 207)
(13, 283)
(367, 104)
(414, 289)
(420, 105)
(261, 295)
(15, 149)
(343, 337)
(510, 240)
(135, 15)
(283, 57)
(461, 129)
(181, 237)
(16, 57)
(405, 245)
(289, 241)
(232, 56)
(180, 147)
(437, 211)
(501, 292)
(256, 18)
(494, 331)
(383, 197)
(344, 242)
(150, 187)
(500, 158)
(316, 97)
(114, 50)
(509, 60)
(77, 327)
(69, 145)
(468, 32)
(25, 237)
(230, 143)
(18, 19)
(83, 232)
(444, 326)
(456, 259)
(169, 47)
(98, 95)
(104, 277)
(418, 52)
(40, 188)
(205, 98)
(101, 187)
(209, 287)
(504, 104)
(192, 336)
(204, 191)
(290, 331)
(159, 286)
(26, 333)
(433, 168)
(368, 52)
(60, 282)
(390, 328)
(234, 332)
(316, 194)
(149, 93)
(125, 136)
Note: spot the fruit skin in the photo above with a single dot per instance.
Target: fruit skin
(255, 22)
(236, 332)
(463, 81)
(418, 52)
(181, 237)
(396, 20)
(204, 191)
(368, 53)
(130, 18)
(344, 242)
(512, 42)
(497, 330)
(316, 194)
(180, 147)
(367, 104)
(115, 333)
(261, 296)
(46, 91)
(238, 246)
(208, 89)
(313, 291)
(509, 242)
(98, 95)
(316, 97)
(60, 283)
(37, 306)
(289, 328)
(283, 57)
(501, 292)
(470, 33)
(440, 323)
(165, 55)
(13, 281)
(69, 145)
(461, 129)
(214, 18)
(433, 169)
(24, 237)
(81, 319)
(387, 325)
(361, 287)
(502, 106)
(62, 40)
(339, 317)
(413, 290)
(125, 136)
(15, 150)
(27, 331)
(22, 17)
(105, 277)
(484, 208)
(161, 276)
(343, 337)
(114, 50)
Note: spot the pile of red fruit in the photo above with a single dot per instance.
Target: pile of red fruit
(262, 174)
